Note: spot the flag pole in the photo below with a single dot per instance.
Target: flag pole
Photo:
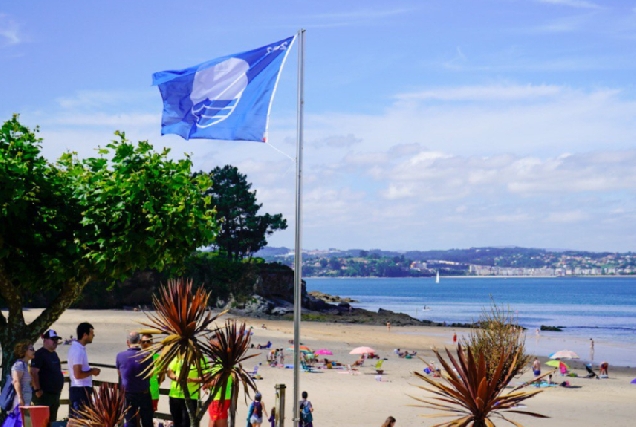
(298, 264)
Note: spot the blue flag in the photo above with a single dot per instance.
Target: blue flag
(226, 98)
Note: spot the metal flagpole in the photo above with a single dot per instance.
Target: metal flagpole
(298, 251)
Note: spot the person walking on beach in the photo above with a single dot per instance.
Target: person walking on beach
(47, 376)
(454, 337)
(257, 409)
(389, 422)
(131, 367)
(80, 372)
(306, 411)
(20, 374)
(591, 350)
(146, 343)
(536, 368)
(388, 326)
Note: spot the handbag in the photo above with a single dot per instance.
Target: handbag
(14, 419)
(8, 394)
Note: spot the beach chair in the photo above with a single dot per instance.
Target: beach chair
(254, 374)
(378, 367)
(306, 368)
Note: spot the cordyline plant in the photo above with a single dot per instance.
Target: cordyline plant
(473, 393)
(183, 316)
(498, 332)
(107, 408)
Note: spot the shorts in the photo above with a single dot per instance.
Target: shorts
(537, 373)
(218, 410)
(256, 420)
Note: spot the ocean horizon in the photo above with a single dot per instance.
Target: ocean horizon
(602, 308)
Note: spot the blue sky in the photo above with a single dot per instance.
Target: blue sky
(429, 124)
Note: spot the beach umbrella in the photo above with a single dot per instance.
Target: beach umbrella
(324, 351)
(362, 350)
(302, 348)
(555, 363)
(564, 354)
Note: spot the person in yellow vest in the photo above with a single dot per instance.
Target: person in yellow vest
(146, 343)
(178, 399)
(218, 409)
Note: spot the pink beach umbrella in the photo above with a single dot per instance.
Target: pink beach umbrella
(324, 351)
(362, 350)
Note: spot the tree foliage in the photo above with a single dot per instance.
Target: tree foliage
(498, 332)
(473, 389)
(185, 325)
(243, 232)
(67, 223)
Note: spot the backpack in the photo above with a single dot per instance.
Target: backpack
(258, 409)
(305, 413)
(8, 394)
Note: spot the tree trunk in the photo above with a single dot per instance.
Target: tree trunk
(14, 329)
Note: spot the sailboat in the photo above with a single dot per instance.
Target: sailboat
(437, 277)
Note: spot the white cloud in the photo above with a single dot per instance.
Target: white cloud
(423, 173)
(9, 31)
(569, 216)
(99, 99)
(485, 93)
(581, 4)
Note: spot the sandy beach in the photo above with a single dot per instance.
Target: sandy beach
(340, 398)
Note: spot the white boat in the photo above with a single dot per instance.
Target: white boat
(437, 277)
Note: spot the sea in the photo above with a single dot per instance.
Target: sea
(598, 308)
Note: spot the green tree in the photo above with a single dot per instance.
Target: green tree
(65, 224)
(243, 232)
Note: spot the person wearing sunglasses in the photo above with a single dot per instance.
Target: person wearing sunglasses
(20, 373)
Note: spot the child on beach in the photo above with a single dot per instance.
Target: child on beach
(257, 410)
(272, 417)
(306, 409)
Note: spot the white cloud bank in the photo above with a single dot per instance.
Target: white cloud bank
(499, 164)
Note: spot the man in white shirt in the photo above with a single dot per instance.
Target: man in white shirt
(80, 373)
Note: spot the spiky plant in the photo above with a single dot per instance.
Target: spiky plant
(183, 316)
(107, 408)
(498, 332)
(227, 349)
(473, 393)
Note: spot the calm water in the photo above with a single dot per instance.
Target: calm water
(603, 308)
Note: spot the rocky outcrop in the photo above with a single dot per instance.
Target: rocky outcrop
(274, 299)
(329, 298)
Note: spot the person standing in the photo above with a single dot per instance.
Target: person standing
(80, 372)
(536, 368)
(257, 409)
(177, 397)
(306, 411)
(454, 337)
(46, 373)
(132, 366)
(591, 350)
(146, 343)
(20, 375)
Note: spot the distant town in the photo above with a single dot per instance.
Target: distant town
(492, 261)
